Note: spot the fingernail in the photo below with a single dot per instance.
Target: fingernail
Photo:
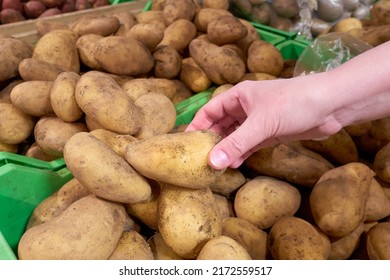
(219, 159)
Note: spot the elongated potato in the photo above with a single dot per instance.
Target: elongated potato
(147, 34)
(32, 69)
(339, 197)
(187, 218)
(89, 229)
(117, 142)
(194, 76)
(104, 101)
(226, 30)
(95, 24)
(135, 88)
(102, 171)
(179, 158)
(178, 34)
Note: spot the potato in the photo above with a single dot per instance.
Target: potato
(265, 200)
(103, 25)
(252, 35)
(183, 155)
(117, 142)
(225, 206)
(10, 148)
(70, 192)
(8, 16)
(113, 179)
(257, 77)
(51, 134)
(228, 182)
(378, 241)
(343, 248)
(292, 238)
(222, 65)
(34, 151)
(264, 57)
(102, 99)
(204, 15)
(68, 6)
(135, 88)
(147, 34)
(178, 35)
(132, 246)
(32, 69)
(159, 115)
(110, 51)
(220, 4)
(339, 197)
(161, 251)
(85, 45)
(187, 218)
(377, 204)
(154, 17)
(34, 9)
(12, 4)
(286, 8)
(346, 25)
(50, 12)
(52, 3)
(292, 163)
(182, 92)
(15, 126)
(226, 30)
(58, 47)
(358, 129)
(146, 211)
(253, 239)
(372, 35)
(12, 52)
(89, 229)
(43, 26)
(174, 10)
(6, 91)
(33, 97)
(167, 62)
(380, 164)
(62, 97)
(193, 75)
(380, 12)
(223, 248)
(338, 148)
(220, 89)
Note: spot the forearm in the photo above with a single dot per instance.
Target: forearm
(359, 90)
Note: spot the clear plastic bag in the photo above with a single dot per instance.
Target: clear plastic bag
(327, 52)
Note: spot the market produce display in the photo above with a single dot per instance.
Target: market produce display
(101, 93)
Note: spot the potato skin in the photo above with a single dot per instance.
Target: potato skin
(102, 171)
(223, 248)
(178, 35)
(194, 76)
(15, 126)
(89, 229)
(167, 62)
(132, 246)
(378, 241)
(32, 69)
(264, 57)
(226, 30)
(187, 218)
(95, 24)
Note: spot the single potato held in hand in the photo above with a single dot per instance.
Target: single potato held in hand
(179, 158)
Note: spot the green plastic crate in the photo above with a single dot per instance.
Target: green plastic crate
(284, 34)
(291, 49)
(24, 183)
(114, 2)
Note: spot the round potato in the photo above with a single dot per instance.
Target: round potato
(226, 30)
(168, 62)
(147, 34)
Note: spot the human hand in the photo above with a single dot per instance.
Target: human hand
(258, 114)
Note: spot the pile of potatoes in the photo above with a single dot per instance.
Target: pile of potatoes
(19, 10)
(102, 94)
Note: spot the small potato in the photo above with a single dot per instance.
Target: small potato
(253, 239)
(343, 248)
(8, 16)
(89, 229)
(183, 155)
(84, 45)
(135, 88)
(292, 163)
(34, 9)
(33, 97)
(347, 24)
(62, 97)
(127, 20)
(377, 204)
(174, 10)
(51, 134)
(168, 62)
(104, 101)
(228, 182)
(15, 126)
(132, 246)
(10, 148)
(265, 200)
(226, 30)
(95, 24)
(110, 51)
(225, 206)
(58, 47)
(293, 238)
(147, 34)
(187, 218)
(219, 4)
(153, 17)
(194, 76)
(102, 171)
(159, 115)
(12, 52)
(222, 65)
(32, 69)
(178, 35)
(380, 165)
(205, 15)
(378, 241)
(264, 57)
(182, 92)
(6, 91)
(223, 248)
(221, 89)
(34, 151)
(117, 142)
(339, 197)
(252, 35)
(161, 251)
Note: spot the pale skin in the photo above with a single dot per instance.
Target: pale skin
(258, 114)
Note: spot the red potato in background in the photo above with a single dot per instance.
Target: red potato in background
(12, 4)
(68, 6)
(33, 9)
(52, 3)
(83, 4)
(10, 16)
(50, 12)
